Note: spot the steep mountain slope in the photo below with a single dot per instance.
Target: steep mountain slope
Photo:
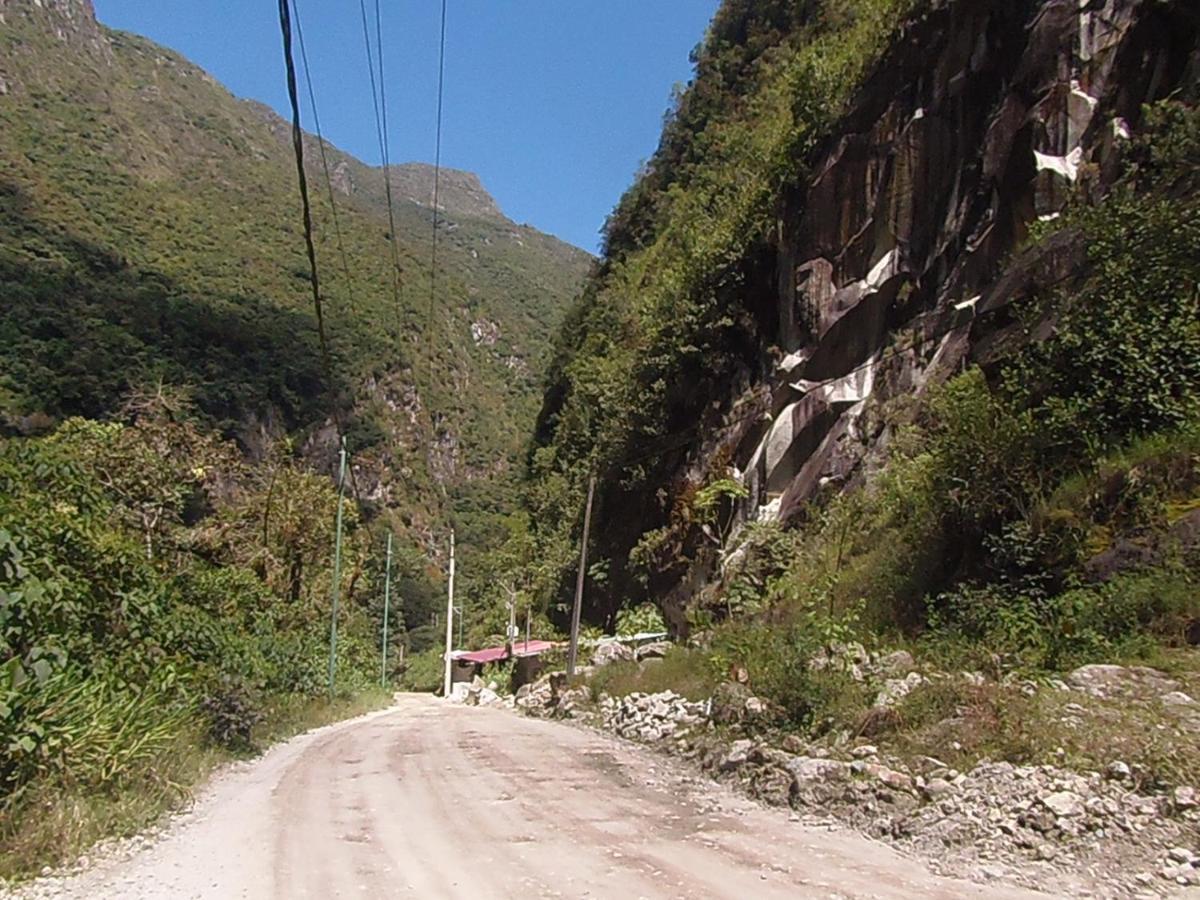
(851, 203)
(149, 230)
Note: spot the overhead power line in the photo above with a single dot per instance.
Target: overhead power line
(285, 25)
(379, 106)
(437, 188)
(312, 100)
(286, 8)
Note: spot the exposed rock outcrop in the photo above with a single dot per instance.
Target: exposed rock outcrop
(923, 195)
(895, 262)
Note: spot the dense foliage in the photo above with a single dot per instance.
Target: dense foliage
(152, 587)
(150, 231)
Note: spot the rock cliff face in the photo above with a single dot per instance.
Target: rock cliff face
(896, 262)
(891, 260)
(71, 21)
(460, 192)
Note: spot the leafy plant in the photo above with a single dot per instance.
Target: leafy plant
(644, 619)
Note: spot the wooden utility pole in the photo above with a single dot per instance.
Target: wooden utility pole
(337, 570)
(573, 654)
(449, 619)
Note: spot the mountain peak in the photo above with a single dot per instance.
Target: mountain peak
(71, 21)
(83, 10)
(459, 192)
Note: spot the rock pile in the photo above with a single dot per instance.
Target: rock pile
(478, 694)
(1181, 866)
(894, 672)
(611, 651)
(651, 717)
(995, 813)
(549, 697)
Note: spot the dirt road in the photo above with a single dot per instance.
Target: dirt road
(433, 800)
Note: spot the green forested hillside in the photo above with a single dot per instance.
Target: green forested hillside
(168, 447)
(151, 231)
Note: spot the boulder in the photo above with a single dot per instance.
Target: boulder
(655, 650)
(1177, 698)
(729, 703)
(808, 769)
(1184, 797)
(897, 781)
(1064, 804)
(738, 755)
(851, 658)
(896, 689)
(609, 652)
(896, 664)
(1108, 681)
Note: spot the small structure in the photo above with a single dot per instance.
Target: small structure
(466, 664)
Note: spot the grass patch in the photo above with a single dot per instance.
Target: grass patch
(685, 671)
(961, 724)
(53, 823)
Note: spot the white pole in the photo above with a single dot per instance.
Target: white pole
(449, 619)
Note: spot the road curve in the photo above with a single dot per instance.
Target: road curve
(434, 800)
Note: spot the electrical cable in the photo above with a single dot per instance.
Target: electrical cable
(437, 184)
(379, 106)
(285, 25)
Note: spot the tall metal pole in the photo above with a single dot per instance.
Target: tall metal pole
(387, 593)
(449, 619)
(337, 569)
(573, 654)
(528, 613)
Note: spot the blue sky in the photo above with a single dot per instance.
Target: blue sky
(554, 103)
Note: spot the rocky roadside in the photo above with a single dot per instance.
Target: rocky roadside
(1080, 833)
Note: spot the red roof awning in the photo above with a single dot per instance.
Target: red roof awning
(496, 654)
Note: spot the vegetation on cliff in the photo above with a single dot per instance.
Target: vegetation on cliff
(663, 324)
(1026, 517)
(167, 443)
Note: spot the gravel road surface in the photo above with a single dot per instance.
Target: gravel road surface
(434, 800)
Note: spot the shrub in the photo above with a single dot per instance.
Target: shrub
(644, 619)
(423, 671)
(683, 670)
(232, 714)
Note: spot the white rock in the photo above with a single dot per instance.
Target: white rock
(738, 755)
(610, 651)
(1185, 797)
(1064, 803)
(1177, 698)
(811, 768)
(897, 664)
(896, 689)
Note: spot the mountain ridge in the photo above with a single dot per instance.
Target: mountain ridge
(125, 165)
